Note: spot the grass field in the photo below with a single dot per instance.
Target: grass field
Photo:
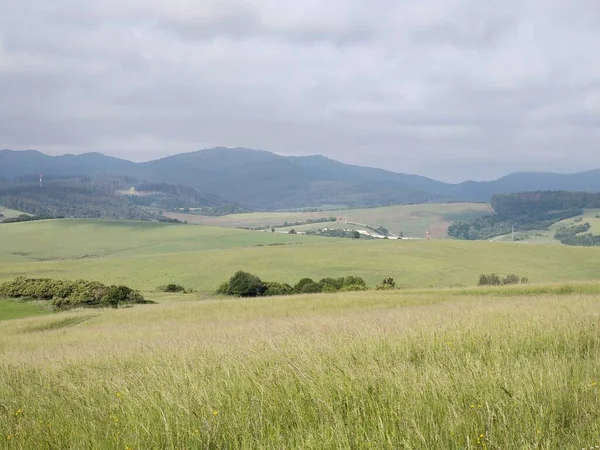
(412, 220)
(10, 213)
(16, 310)
(144, 255)
(448, 369)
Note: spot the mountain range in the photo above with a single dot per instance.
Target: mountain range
(262, 180)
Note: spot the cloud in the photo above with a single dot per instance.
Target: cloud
(452, 89)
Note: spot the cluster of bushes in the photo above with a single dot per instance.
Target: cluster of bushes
(66, 294)
(577, 235)
(244, 284)
(27, 218)
(172, 287)
(494, 280)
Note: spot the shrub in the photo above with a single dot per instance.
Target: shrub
(387, 284)
(292, 231)
(274, 288)
(307, 286)
(489, 280)
(171, 288)
(224, 288)
(331, 284)
(494, 280)
(354, 281)
(244, 284)
(511, 278)
(68, 294)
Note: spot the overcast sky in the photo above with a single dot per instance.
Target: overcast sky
(452, 89)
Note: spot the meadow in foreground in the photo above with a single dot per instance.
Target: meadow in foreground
(423, 369)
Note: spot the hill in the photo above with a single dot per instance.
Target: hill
(533, 211)
(262, 180)
(144, 255)
(408, 220)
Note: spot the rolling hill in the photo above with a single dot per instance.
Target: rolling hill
(262, 180)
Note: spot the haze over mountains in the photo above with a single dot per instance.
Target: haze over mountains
(265, 181)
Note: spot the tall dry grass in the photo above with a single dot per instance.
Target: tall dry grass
(362, 370)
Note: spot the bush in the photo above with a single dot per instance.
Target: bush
(494, 280)
(386, 284)
(307, 286)
(489, 280)
(511, 278)
(331, 284)
(354, 281)
(223, 289)
(244, 284)
(69, 294)
(274, 288)
(171, 288)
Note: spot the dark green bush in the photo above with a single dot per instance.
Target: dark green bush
(307, 286)
(511, 278)
(70, 294)
(244, 284)
(274, 288)
(331, 284)
(489, 280)
(171, 288)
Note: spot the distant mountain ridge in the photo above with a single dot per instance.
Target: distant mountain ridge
(263, 180)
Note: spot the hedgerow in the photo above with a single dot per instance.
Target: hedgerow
(244, 284)
(65, 294)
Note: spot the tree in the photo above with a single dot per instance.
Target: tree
(244, 284)
(292, 231)
(355, 235)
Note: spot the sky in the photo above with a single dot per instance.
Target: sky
(450, 89)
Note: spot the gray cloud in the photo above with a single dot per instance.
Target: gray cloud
(452, 89)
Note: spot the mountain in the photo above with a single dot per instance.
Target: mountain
(267, 181)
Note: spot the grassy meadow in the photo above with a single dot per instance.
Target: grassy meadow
(412, 220)
(511, 368)
(144, 255)
(16, 310)
(10, 213)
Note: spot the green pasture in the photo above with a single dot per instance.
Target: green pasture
(16, 310)
(412, 220)
(145, 255)
(10, 213)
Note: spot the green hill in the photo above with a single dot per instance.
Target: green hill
(144, 255)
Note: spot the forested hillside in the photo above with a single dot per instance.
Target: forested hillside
(259, 180)
(530, 211)
(108, 197)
